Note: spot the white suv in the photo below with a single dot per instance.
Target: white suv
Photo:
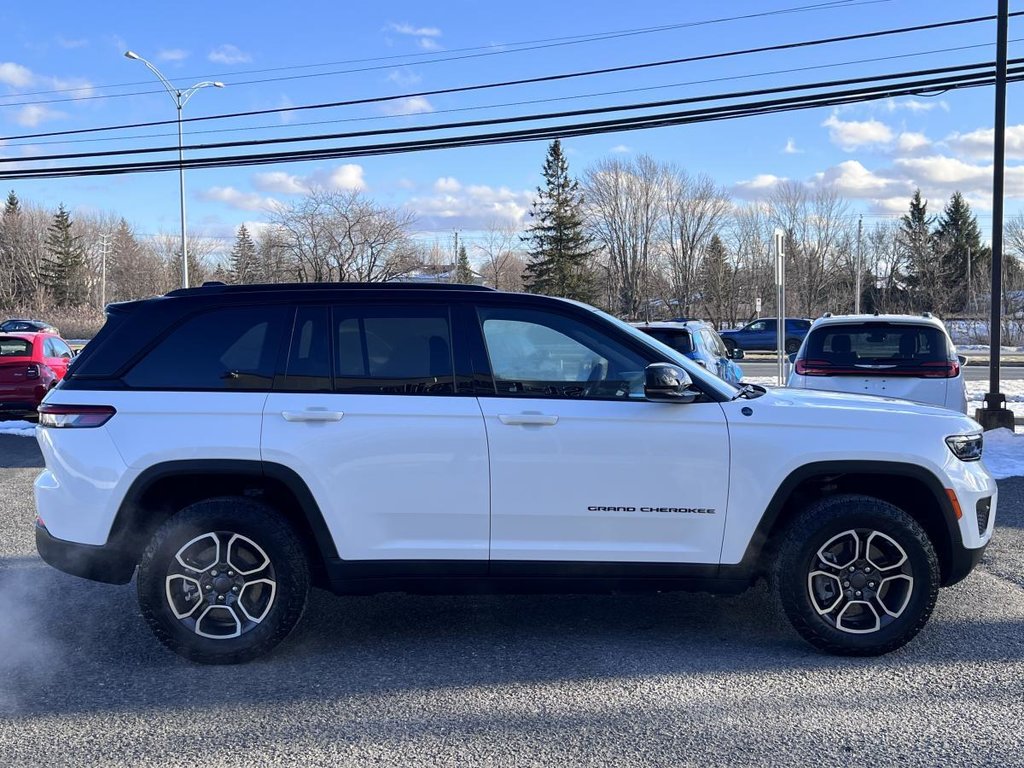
(909, 357)
(234, 445)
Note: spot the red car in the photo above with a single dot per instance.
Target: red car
(31, 364)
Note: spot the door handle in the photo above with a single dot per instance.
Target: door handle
(312, 415)
(529, 419)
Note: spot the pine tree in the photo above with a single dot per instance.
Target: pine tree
(13, 205)
(957, 240)
(63, 272)
(15, 285)
(244, 264)
(559, 250)
(463, 272)
(715, 280)
(915, 240)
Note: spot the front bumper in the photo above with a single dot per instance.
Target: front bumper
(98, 563)
(962, 563)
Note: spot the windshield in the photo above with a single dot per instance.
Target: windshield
(707, 380)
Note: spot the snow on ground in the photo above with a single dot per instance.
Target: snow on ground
(1004, 453)
(20, 428)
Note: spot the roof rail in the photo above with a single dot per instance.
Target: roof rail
(927, 314)
(827, 314)
(212, 286)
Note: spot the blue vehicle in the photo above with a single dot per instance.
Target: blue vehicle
(761, 335)
(700, 342)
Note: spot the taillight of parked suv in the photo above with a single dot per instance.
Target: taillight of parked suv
(947, 369)
(74, 416)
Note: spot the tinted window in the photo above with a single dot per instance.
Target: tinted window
(540, 354)
(309, 356)
(883, 344)
(48, 350)
(60, 349)
(15, 348)
(761, 325)
(713, 343)
(393, 350)
(231, 349)
(677, 338)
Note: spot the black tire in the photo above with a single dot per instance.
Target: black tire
(792, 345)
(282, 598)
(799, 592)
(730, 346)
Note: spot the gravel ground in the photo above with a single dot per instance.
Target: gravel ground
(394, 680)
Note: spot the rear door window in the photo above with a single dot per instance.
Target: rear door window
(677, 338)
(231, 348)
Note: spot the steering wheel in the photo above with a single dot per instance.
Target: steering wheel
(598, 373)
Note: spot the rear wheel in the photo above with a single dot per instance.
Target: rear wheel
(856, 576)
(223, 581)
(792, 346)
(730, 346)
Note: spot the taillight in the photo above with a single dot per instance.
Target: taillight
(948, 369)
(53, 415)
(813, 368)
(32, 372)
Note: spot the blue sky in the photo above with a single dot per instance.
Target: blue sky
(875, 154)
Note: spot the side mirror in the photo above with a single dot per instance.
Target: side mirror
(737, 354)
(963, 359)
(667, 383)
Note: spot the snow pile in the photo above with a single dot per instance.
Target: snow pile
(1004, 453)
(19, 428)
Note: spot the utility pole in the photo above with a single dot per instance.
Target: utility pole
(856, 298)
(780, 302)
(994, 414)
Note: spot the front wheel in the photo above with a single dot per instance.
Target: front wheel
(223, 581)
(856, 576)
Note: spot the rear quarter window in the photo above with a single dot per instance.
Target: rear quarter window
(233, 348)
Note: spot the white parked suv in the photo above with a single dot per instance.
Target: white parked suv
(236, 445)
(909, 357)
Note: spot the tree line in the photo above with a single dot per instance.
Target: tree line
(638, 237)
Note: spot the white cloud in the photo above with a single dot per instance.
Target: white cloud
(414, 105)
(405, 184)
(233, 198)
(981, 142)
(852, 179)
(348, 177)
(791, 148)
(281, 182)
(471, 208)
(621, 149)
(414, 31)
(910, 142)
(915, 105)
(34, 114)
(429, 44)
(403, 77)
(172, 54)
(447, 184)
(851, 134)
(15, 75)
(229, 54)
(759, 186)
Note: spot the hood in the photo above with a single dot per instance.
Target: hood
(841, 408)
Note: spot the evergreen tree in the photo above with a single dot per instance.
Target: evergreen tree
(463, 272)
(957, 241)
(915, 242)
(244, 264)
(715, 280)
(14, 273)
(13, 205)
(63, 272)
(559, 250)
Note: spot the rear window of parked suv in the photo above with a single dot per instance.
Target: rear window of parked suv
(881, 348)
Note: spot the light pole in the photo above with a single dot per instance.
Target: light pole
(180, 98)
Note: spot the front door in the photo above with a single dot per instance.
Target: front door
(582, 467)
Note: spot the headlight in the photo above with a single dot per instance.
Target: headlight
(965, 447)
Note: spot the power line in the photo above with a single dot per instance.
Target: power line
(835, 98)
(618, 92)
(524, 81)
(508, 120)
(440, 57)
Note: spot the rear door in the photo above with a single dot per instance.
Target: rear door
(365, 410)
(19, 373)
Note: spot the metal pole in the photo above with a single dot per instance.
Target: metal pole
(968, 279)
(181, 191)
(103, 272)
(780, 303)
(856, 297)
(994, 414)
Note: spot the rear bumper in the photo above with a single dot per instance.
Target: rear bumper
(98, 563)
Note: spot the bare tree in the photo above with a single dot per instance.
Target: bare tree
(502, 263)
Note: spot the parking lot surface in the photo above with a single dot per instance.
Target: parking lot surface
(680, 679)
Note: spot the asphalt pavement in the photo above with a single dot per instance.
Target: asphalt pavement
(664, 680)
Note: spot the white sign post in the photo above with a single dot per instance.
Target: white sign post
(757, 306)
(780, 304)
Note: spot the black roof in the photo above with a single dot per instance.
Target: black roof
(211, 288)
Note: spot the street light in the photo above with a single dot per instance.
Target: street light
(180, 98)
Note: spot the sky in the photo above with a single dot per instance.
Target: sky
(62, 68)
